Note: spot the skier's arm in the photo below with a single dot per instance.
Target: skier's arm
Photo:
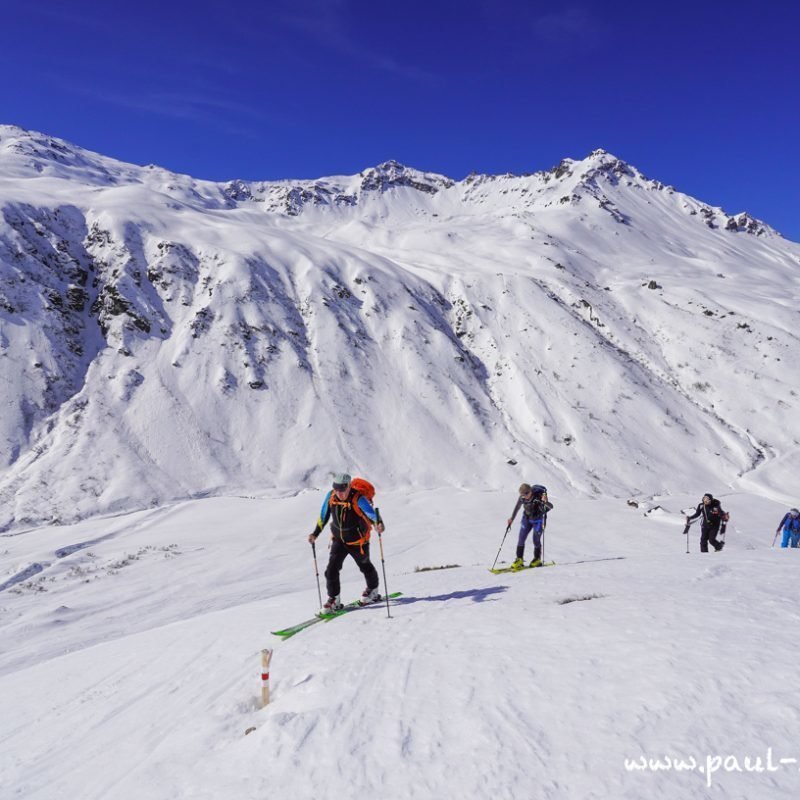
(369, 512)
(696, 514)
(782, 522)
(516, 509)
(324, 516)
(548, 506)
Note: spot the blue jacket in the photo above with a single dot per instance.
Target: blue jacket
(792, 524)
(347, 524)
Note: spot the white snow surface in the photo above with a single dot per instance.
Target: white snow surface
(165, 338)
(130, 663)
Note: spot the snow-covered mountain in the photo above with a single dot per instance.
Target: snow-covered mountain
(166, 337)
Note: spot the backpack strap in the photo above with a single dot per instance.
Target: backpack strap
(368, 531)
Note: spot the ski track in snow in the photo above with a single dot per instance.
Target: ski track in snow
(23, 575)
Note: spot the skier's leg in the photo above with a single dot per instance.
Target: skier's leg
(786, 536)
(524, 528)
(537, 539)
(704, 539)
(712, 537)
(335, 560)
(366, 566)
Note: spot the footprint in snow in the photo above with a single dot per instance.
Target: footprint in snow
(714, 572)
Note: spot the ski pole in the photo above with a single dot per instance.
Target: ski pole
(544, 528)
(383, 563)
(501, 545)
(686, 534)
(316, 571)
(775, 538)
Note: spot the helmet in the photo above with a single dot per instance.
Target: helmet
(341, 480)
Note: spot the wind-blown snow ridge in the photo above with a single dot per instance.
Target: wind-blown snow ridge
(165, 337)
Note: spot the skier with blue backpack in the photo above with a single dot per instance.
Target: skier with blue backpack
(535, 505)
(790, 525)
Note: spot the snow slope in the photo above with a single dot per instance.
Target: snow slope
(129, 664)
(166, 338)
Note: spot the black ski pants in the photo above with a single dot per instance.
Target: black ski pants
(708, 533)
(339, 552)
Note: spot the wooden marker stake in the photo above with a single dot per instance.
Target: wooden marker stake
(266, 657)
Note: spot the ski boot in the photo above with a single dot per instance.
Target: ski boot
(332, 605)
(369, 596)
(517, 564)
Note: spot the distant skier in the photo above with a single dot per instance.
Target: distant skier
(351, 515)
(790, 524)
(714, 521)
(535, 505)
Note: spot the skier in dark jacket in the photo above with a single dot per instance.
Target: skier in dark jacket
(535, 505)
(714, 520)
(790, 524)
(350, 514)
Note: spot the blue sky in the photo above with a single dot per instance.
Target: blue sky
(701, 95)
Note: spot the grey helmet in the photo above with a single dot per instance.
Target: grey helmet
(341, 480)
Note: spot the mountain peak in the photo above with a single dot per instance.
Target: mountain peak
(601, 155)
(33, 153)
(391, 174)
(391, 166)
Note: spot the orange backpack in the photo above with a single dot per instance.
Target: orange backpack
(365, 488)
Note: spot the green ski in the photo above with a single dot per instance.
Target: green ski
(503, 570)
(285, 633)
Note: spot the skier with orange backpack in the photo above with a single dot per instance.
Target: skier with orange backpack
(349, 508)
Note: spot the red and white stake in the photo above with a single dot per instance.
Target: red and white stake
(266, 657)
